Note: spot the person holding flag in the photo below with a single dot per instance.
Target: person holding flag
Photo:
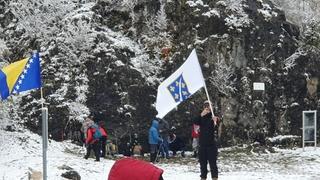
(208, 150)
(184, 82)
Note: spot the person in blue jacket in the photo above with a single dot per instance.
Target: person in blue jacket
(154, 139)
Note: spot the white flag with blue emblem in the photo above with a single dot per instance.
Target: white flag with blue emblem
(187, 80)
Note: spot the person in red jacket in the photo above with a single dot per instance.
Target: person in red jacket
(195, 139)
(92, 143)
(103, 139)
(134, 169)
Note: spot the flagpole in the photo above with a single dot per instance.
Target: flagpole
(205, 88)
(41, 94)
(44, 112)
(44, 141)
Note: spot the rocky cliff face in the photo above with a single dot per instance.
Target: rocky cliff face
(108, 57)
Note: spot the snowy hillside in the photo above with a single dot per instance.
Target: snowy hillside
(22, 151)
(107, 57)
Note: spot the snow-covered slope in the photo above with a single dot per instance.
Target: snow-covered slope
(21, 151)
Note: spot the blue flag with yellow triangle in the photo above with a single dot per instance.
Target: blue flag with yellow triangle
(20, 76)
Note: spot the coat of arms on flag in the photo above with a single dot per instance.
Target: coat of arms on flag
(180, 85)
(179, 89)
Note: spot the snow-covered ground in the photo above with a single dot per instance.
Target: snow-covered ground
(20, 151)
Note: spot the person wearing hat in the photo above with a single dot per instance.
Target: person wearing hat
(176, 143)
(208, 150)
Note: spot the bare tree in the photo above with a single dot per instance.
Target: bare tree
(300, 12)
(40, 19)
(221, 76)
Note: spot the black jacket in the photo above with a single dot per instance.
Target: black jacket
(207, 137)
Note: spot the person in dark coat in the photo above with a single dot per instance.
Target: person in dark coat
(154, 139)
(208, 150)
(176, 143)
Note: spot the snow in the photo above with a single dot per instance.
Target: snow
(128, 106)
(194, 4)
(282, 137)
(212, 12)
(140, 62)
(3, 48)
(294, 104)
(119, 63)
(221, 3)
(290, 61)
(300, 12)
(239, 18)
(266, 12)
(199, 41)
(77, 111)
(22, 150)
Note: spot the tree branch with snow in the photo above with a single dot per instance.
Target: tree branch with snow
(221, 76)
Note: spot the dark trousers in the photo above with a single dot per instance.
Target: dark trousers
(177, 145)
(153, 152)
(103, 141)
(96, 148)
(208, 154)
(164, 149)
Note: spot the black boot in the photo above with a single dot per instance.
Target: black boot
(195, 154)
(153, 157)
(182, 154)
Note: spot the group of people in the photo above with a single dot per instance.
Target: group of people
(95, 138)
(162, 139)
(204, 141)
(132, 146)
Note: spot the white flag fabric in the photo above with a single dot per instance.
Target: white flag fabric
(187, 80)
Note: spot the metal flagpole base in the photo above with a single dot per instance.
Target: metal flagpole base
(44, 141)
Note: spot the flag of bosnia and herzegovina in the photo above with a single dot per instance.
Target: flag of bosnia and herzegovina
(20, 76)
